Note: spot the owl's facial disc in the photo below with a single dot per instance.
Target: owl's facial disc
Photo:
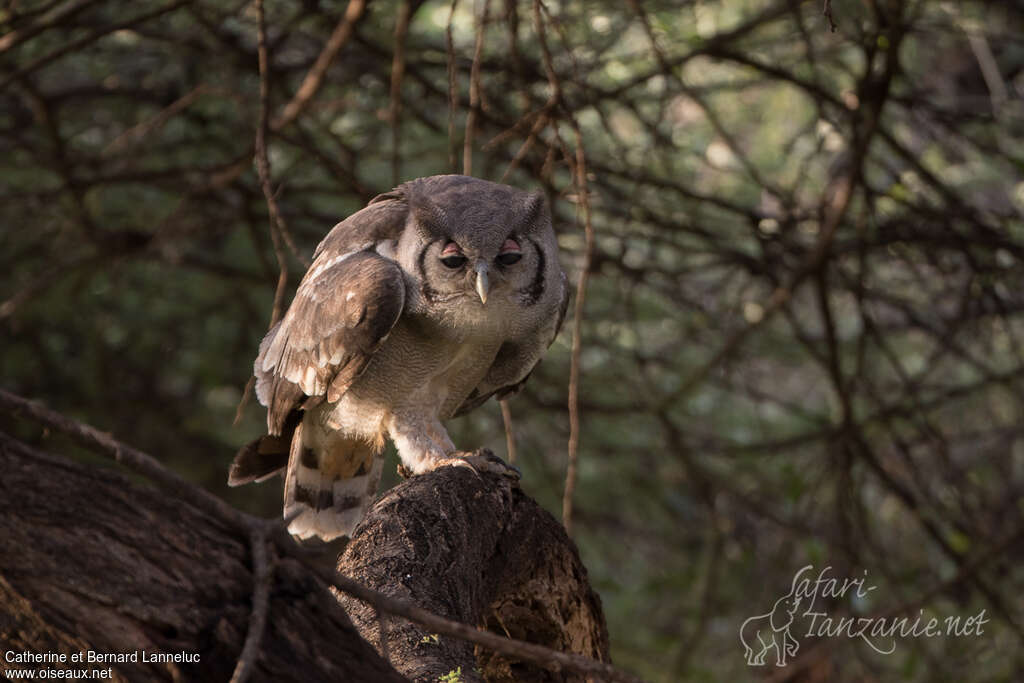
(484, 272)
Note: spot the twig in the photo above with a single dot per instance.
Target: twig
(510, 438)
(549, 65)
(49, 20)
(91, 37)
(552, 660)
(263, 576)
(474, 90)
(141, 130)
(244, 401)
(997, 90)
(538, 125)
(136, 460)
(814, 654)
(449, 42)
(835, 201)
(397, 72)
(827, 13)
(278, 230)
(577, 330)
(578, 163)
(315, 76)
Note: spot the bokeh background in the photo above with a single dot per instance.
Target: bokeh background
(801, 337)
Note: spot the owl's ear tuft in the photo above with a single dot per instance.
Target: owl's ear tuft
(427, 219)
(535, 212)
(395, 194)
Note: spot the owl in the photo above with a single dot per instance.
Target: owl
(420, 307)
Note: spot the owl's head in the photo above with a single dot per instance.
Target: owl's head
(484, 254)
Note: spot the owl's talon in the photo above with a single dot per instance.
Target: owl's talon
(460, 462)
(482, 460)
(403, 471)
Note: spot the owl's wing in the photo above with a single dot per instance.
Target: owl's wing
(516, 360)
(343, 310)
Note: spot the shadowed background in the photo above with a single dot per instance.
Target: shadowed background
(801, 339)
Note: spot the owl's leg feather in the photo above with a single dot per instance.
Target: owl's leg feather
(424, 445)
(439, 435)
(414, 438)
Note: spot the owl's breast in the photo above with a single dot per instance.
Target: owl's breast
(464, 372)
(417, 370)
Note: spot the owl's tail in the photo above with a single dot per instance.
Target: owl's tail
(329, 483)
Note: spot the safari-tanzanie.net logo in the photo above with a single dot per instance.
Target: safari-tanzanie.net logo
(772, 637)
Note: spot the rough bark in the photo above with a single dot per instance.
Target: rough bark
(480, 551)
(90, 561)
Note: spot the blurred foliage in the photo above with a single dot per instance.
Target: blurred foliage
(802, 334)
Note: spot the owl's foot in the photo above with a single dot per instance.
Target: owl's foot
(481, 460)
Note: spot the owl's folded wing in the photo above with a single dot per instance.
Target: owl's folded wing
(342, 312)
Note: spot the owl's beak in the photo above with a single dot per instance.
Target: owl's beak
(483, 285)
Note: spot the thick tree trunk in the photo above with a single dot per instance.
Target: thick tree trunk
(477, 550)
(92, 562)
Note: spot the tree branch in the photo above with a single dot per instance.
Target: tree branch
(217, 513)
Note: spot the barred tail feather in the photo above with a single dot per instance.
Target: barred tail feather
(329, 484)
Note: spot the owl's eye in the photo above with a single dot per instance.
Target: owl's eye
(509, 253)
(508, 258)
(454, 261)
(452, 257)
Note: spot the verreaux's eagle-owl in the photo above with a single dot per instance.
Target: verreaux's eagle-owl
(421, 306)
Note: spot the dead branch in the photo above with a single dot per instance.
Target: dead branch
(90, 561)
(242, 528)
(480, 552)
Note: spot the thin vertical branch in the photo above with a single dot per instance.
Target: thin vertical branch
(827, 13)
(262, 577)
(277, 228)
(989, 67)
(580, 179)
(244, 401)
(474, 90)
(397, 73)
(452, 90)
(578, 164)
(510, 438)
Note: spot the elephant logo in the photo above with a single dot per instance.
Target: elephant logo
(771, 630)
